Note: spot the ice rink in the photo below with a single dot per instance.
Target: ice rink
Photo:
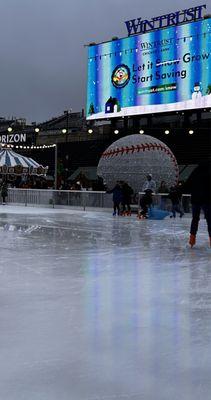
(95, 307)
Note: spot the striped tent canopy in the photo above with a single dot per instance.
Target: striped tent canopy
(14, 163)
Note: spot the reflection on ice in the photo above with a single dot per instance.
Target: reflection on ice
(20, 228)
(96, 307)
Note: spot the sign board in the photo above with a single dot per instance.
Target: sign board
(164, 70)
(139, 25)
(13, 138)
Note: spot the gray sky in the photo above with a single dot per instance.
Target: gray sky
(43, 61)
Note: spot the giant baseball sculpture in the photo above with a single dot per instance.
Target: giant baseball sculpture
(132, 157)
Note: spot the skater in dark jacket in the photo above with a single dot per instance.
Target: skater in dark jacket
(175, 197)
(4, 193)
(200, 189)
(117, 198)
(127, 192)
(145, 203)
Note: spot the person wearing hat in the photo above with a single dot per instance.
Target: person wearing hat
(197, 96)
(149, 184)
(149, 187)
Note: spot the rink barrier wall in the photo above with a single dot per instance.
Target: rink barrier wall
(84, 199)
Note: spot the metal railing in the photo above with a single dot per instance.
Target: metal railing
(53, 198)
(84, 199)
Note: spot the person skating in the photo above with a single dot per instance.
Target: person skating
(127, 192)
(149, 184)
(148, 188)
(175, 197)
(145, 203)
(200, 189)
(117, 198)
(163, 188)
(4, 193)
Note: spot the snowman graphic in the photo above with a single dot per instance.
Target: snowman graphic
(197, 96)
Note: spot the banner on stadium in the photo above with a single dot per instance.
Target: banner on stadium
(164, 70)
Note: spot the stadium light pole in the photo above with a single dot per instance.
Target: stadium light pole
(55, 166)
(66, 132)
(36, 130)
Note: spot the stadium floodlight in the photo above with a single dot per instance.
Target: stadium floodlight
(191, 132)
(167, 132)
(37, 130)
(64, 130)
(116, 131)
(9, 129)
(141, 131)
(90, 131)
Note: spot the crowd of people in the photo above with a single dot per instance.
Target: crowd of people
(122, 193)
(199, 186)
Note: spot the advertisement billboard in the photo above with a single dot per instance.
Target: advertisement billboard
(163, 70)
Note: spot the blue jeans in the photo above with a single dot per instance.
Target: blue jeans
(196, 210)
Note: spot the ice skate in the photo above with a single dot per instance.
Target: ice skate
(192, 240)
(139, 215)
(126, 213)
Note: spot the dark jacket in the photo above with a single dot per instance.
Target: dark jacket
(127, 192)
(146, 199)
(175, 195)
(199, 184)
(4, 191)
(117, 194)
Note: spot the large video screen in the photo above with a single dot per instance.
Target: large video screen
(163, 70)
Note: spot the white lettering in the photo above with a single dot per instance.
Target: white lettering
(13, 138)
(16, 138)
(23, 137)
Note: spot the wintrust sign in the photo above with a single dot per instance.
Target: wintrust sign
(139, 25)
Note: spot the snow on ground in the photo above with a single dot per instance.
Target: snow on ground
(96, 307)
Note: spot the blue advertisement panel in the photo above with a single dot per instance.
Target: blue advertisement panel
(163, 70)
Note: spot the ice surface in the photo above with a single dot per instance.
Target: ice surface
(95, 307)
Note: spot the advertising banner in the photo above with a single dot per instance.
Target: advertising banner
(163, 70)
